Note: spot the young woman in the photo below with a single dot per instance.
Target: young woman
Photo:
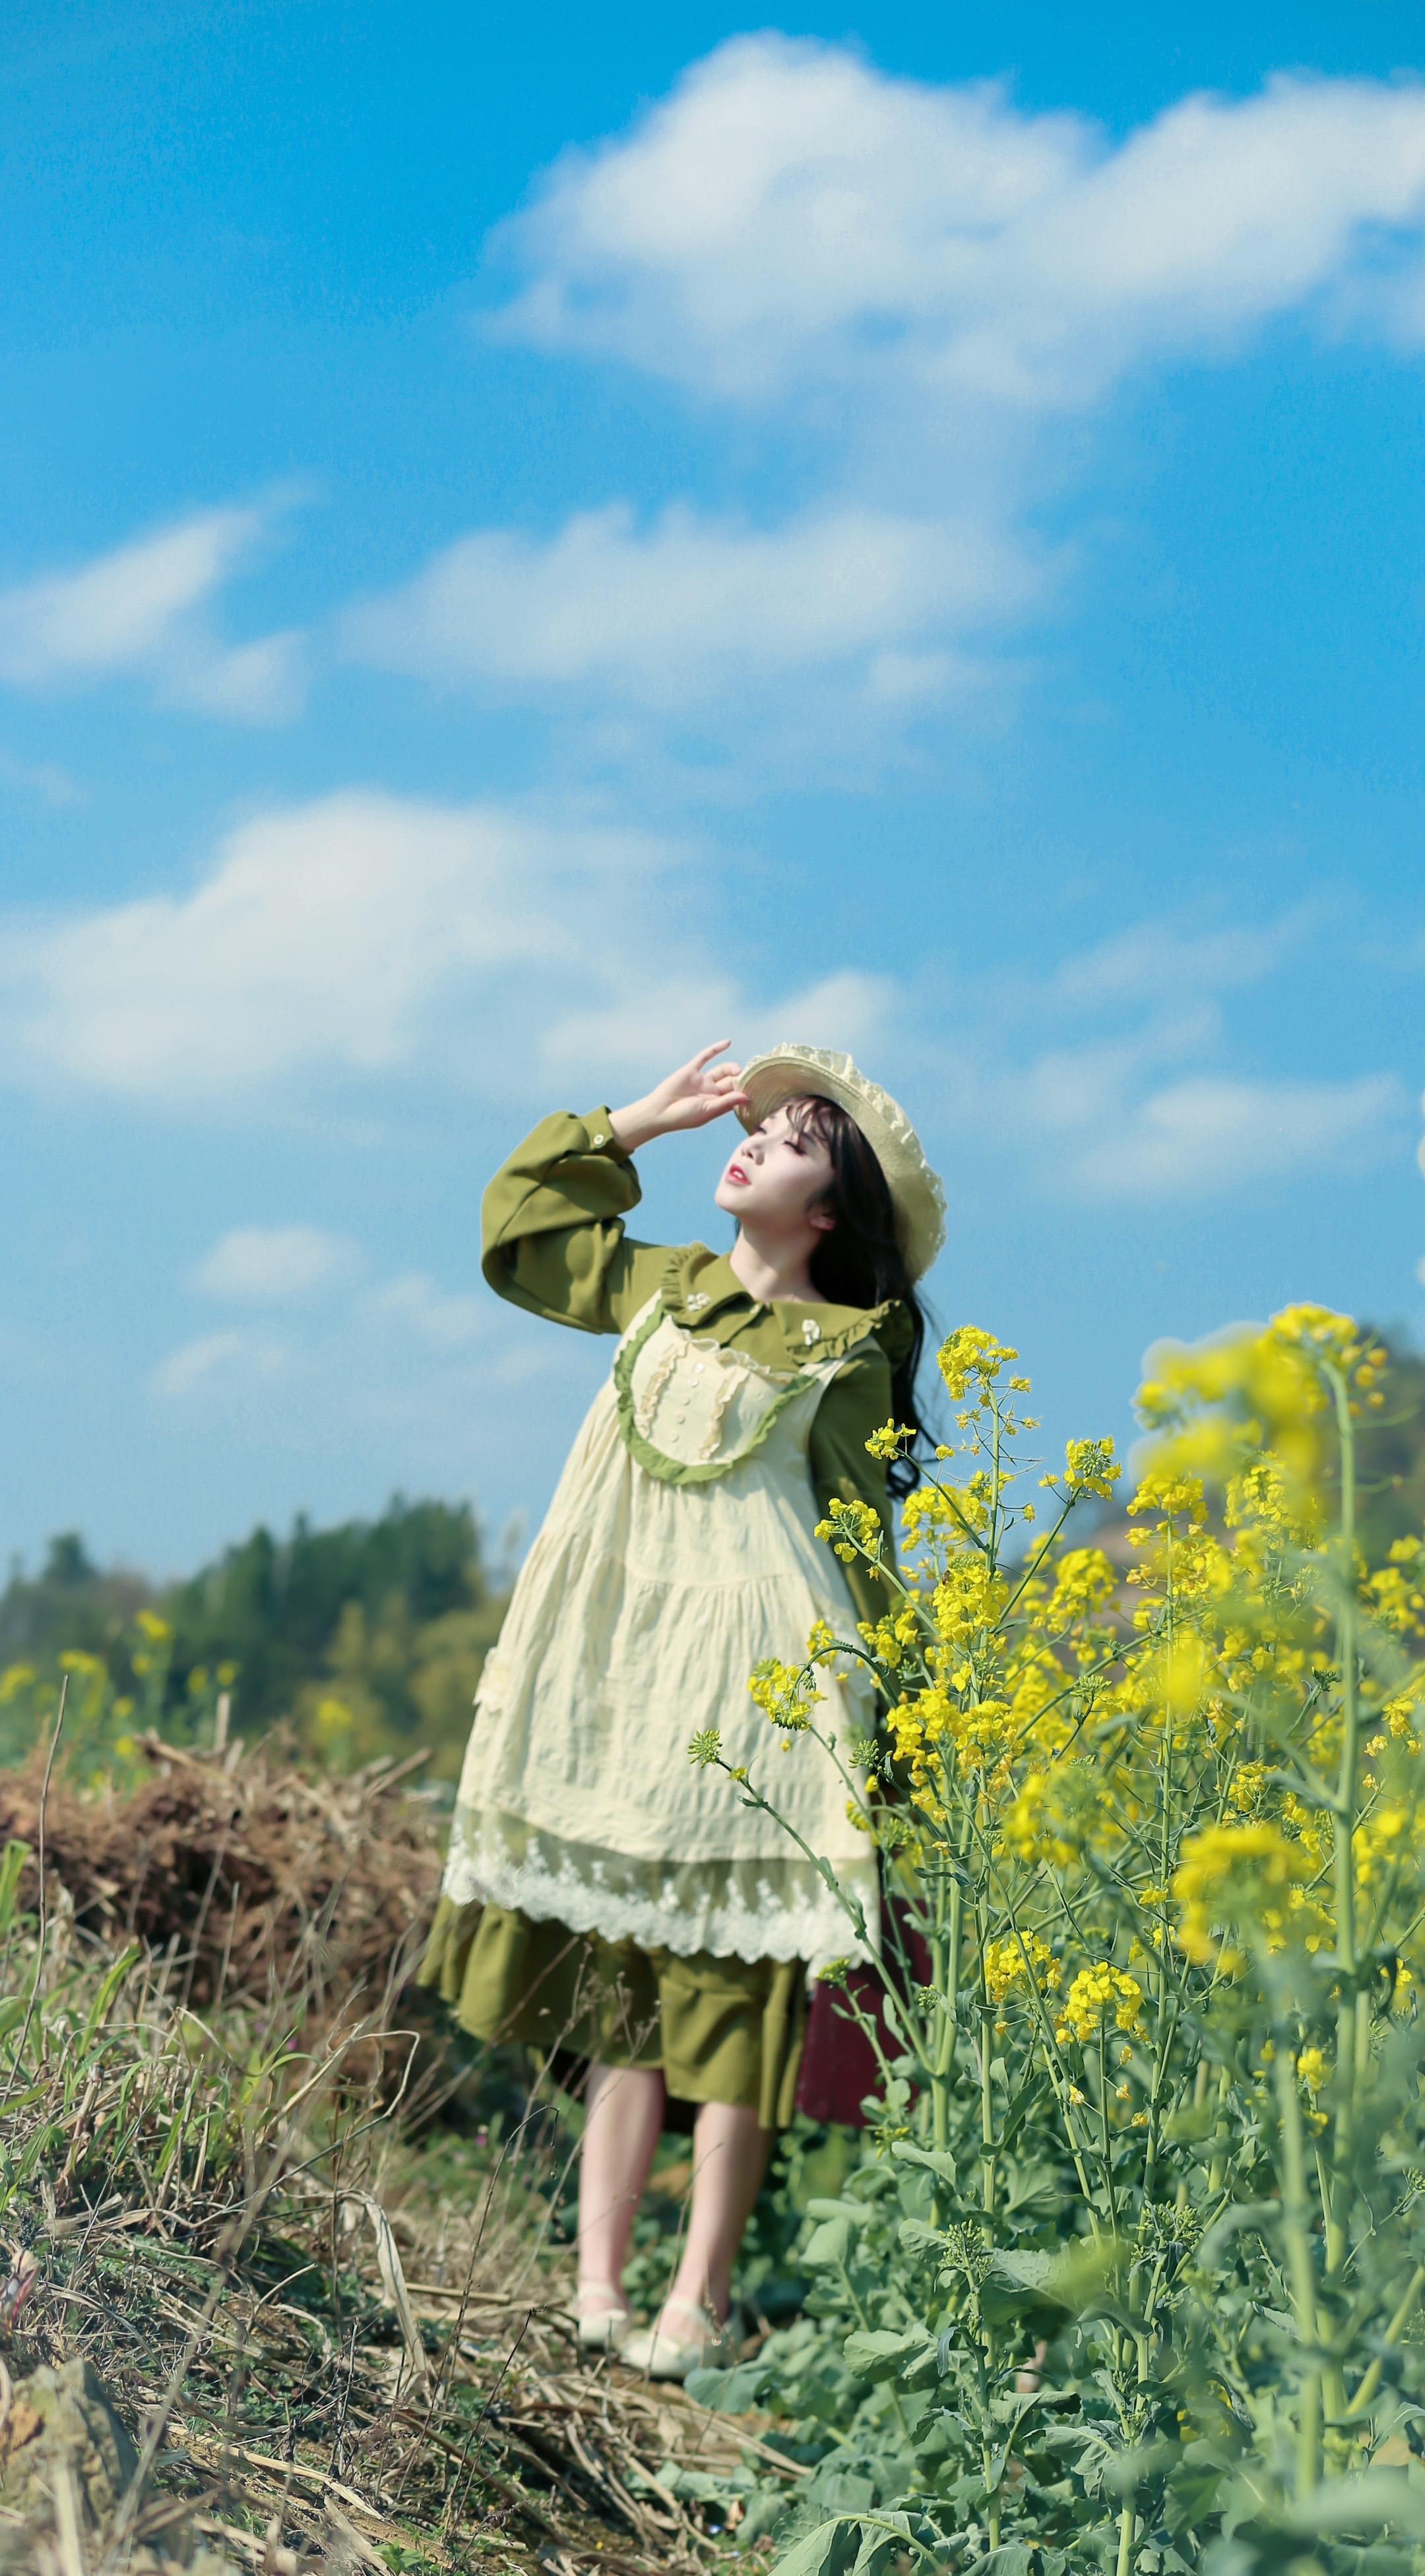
(602, 1896)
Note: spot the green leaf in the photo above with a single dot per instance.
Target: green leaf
(878, 2352)
(813, 2555)
(1011, 2559)
(1028, 2270)
(98, 2010)
(881, 2547)
(728, 2392)
(12, 1864)
(828, 2243)
(936, 2160)
(1366, 2502)
(1027, 2099)
(12, 2013)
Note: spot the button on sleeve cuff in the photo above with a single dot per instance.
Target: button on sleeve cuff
(599, 1127)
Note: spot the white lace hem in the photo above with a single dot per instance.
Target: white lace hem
(812, 1926)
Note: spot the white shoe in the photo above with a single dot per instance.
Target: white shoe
(602, 2320)
(661, 2352)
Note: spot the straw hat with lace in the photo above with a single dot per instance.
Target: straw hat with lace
(791, 1072)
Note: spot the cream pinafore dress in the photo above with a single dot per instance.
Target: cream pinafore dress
(678, 1552)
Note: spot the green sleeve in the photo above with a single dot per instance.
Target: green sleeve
(857, 1402)
(553, 1236)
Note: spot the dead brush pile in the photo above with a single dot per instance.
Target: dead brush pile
(265, 1877)
(282, 2331)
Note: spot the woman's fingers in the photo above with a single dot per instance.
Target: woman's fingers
(716, 1104)
(705, 1054)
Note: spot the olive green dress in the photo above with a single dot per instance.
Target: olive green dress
(602, 1896)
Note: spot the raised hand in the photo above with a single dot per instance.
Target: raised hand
(693, 1096)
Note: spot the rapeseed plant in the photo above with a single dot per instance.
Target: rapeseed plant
(1129, 2272)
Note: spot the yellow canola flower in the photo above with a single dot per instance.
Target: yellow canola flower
(157, 1630)
(852, 1530)
(1085, 1580)
(1267, 1389)
(1178, 1676)
(1090, 1467)
(970, 1360)
(1249, 1782)
(891, 1638)
(785, 1693)
(891, 1440)
(1394, 1591)
(1012, 1965)
(86, 1667)
(1235, 1874)
(333, 1722)
(1381, 1839)
(1177, 1497)
(1100, 1994)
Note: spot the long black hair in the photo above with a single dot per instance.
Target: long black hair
(858, 1261)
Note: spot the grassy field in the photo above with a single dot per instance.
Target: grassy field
(313, 2264)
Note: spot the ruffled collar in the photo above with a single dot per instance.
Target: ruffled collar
(702, 1292)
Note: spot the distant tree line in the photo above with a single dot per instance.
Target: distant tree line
(369, 1637)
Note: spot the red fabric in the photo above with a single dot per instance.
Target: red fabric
(839, 2065)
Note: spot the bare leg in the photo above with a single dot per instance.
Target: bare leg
(624, 2114)
(730, 2154)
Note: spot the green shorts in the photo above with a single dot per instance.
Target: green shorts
(718, 2030)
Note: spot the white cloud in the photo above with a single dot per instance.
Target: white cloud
(1164, 958)
(791, 216)
(230, 1364)
(1210, 1134)
(41, 778)
(366, 938)
(449, 1322)
(360, 944)
(319, 938)
(395, 1355)
(1113, 1078)
(667, 615)
(272, 1264)
(647, 1028)
(920, 283)
(142, 609)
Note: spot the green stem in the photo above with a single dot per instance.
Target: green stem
(1347, 1785)
(1392, 2335)
(987, 2108)
(1301, 2270)
(945, 1971)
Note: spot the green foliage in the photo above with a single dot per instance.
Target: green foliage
(276, 1607)
(69, 1603)
(370, 1637)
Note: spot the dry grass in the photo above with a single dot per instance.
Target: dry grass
(335, 2334)
(269, 1879)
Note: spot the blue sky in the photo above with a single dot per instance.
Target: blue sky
(533, 540)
